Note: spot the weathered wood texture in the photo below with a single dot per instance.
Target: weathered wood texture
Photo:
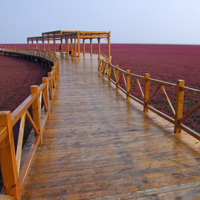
(97, 144)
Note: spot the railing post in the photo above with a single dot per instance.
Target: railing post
(53, 77)
(57, 66)
(103, 66)
(36, 110)
(56, 70)
(146, 91)
(98, 63)
(117, 76)
(179, 105)
(109, 70)
(128, 81)
(50, 85)
(45, 92)
(8, 159)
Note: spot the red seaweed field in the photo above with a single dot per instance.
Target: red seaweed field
(16, 77)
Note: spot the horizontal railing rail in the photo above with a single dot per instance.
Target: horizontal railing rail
(39, 103)
(124, 80)
(50, 55)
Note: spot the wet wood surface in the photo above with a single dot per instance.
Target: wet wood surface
(98, 145)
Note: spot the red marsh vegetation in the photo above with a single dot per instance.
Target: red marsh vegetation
(17, 76)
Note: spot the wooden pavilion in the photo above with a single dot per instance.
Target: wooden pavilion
(75, 38)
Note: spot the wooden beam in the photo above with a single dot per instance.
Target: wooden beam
(48, 45)
(8, 159)
(27, 43)
(91, 47)
(54, 42)
(43, 44)
(99, 48)
(179, 105)
(66, 46)
(146, 92)
(71, 48)
(109, 48)
(83, 46)
(61, 43)
(79, 50)
(37, 46)
(75, 44)
(32, 44)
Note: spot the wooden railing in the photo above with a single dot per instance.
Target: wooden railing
(124, 80)
(50, 55)
(39, 102)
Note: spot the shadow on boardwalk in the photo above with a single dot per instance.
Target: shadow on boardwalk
(98, 145)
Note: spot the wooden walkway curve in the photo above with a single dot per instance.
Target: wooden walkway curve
(98, 145)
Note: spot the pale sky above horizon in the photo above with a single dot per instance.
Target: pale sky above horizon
(130, 21)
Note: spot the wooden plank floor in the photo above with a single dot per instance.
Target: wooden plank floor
(97, 145)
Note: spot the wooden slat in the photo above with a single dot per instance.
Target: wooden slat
(20, 141)
(168, 100)
(132, 84)
(140, 88)
(124, 79)
(32, 122)
(157, 88)
(114, 72)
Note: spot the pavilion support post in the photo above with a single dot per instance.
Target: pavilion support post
(91, 47)
(43, 44)
(28, 44)
(54, 43)
(99, 48)
(109, 48)
(75, 45)
(37, 46)
(79, 50)
(61, 43)
(179, 105)
(83, 46)
(67, 46)
(72, 48)
(48, 44)
(8, 158)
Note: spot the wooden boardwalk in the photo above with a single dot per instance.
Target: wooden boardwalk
(98, 145)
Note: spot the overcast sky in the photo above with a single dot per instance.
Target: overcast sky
(130, 21)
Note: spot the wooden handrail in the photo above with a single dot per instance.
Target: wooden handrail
(3, 133)
(21, 109)
(10, 162)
